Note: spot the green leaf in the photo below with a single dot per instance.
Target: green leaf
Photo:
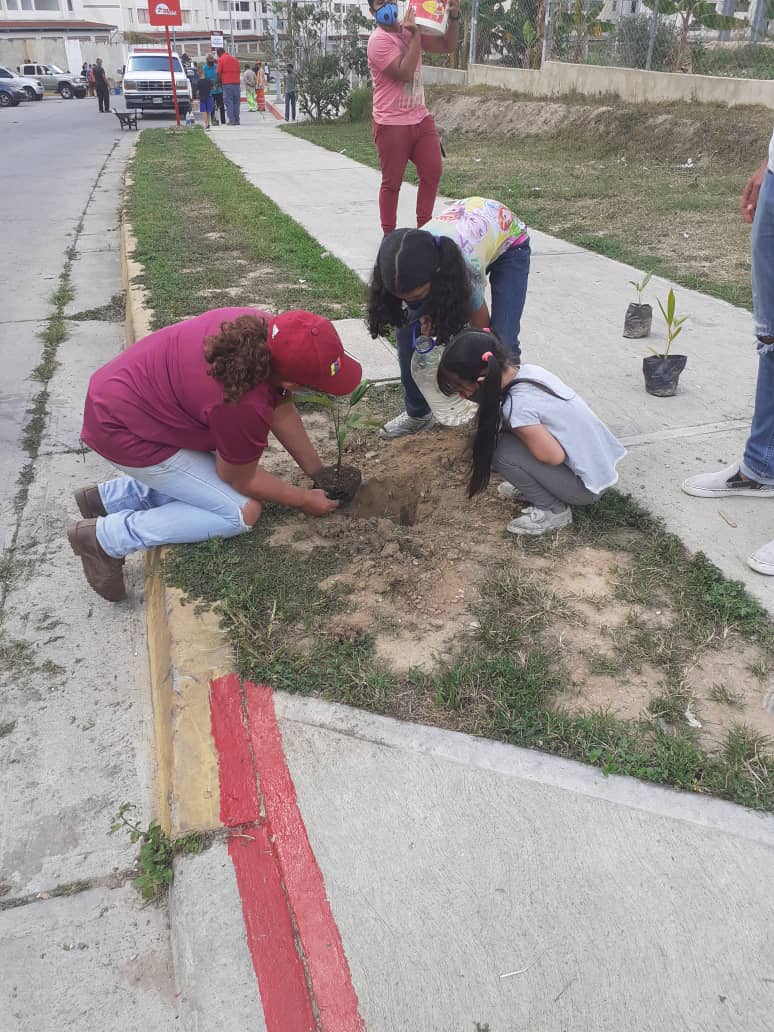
(646, 281)
(314, 399)
(359, 392)
(670, 305)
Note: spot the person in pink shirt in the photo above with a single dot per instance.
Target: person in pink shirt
(185, 413)
(404, 129)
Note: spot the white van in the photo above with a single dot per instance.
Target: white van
(147, 82)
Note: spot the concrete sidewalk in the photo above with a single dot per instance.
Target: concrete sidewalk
(572, 324)
(475, 886)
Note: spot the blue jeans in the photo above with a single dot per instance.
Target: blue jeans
(759, 451)
(290, 106)
(177, 501)
(508, 276)
(231, 92)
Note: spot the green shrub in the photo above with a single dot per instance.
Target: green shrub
(359, 104)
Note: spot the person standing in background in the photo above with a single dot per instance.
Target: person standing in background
(101, 86)
(206, 103)
(250, 81)
(260, 86)
(404, 129)
(230, 78)
(211, 73)
(290, 93)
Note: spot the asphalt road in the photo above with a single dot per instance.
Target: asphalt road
(50, 155)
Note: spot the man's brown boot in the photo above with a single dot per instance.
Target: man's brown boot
(89, 502)
(104, 573)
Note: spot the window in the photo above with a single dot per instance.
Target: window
(152, 63)
(241, 5)
(186, 15)
(12, 5)
(244, 24)
(614, 6)
(142, 14)
(634, 6)
(129, 11)
(46, 5)
(69, 5)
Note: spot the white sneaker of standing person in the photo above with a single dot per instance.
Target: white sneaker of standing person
(762, 561)
(405, 424)
(725, 482)
(534, 521)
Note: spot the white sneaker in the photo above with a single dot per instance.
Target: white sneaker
(762, 561)
(508, 492)
(725, 482)
(536, 521)
(406, 424)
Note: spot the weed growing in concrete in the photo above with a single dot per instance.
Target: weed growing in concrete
(157, 851)
(113, 311)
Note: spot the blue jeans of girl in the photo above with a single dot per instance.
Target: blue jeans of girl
(508, 276)
(178, 501)
(758, 460)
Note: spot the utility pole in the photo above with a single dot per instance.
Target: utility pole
(652, 35)
(473, 33)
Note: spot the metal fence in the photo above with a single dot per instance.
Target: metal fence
(662, 35)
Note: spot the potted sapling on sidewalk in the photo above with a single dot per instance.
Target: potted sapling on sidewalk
(341, 482)
(639, 317)
(662, 369)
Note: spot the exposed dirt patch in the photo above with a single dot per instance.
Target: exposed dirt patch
(418, 552)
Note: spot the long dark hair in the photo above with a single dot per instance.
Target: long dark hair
(447, 305)
(239, 355)
(461, 365)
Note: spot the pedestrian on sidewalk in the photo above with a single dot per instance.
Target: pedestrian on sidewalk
(101, 86)
(404, 129)
(230, 78)
(186, 413)
(533, 430)
(250, 84)
(90, 80)
(260, 86)
(754, 475)
(290, 94)
(431, 281)
(206, 103)
(216, 90)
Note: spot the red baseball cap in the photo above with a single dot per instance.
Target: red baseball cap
(307, 350)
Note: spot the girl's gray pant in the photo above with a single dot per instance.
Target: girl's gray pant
(544, 486)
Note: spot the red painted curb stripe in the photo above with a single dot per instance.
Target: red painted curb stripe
(326, 962)
(278, 967)
(273, 110)
(239, 802)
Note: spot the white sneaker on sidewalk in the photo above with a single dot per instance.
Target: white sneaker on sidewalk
(508, 492)
(405, 424)
(762, 561)
(534, 521)
(724, 482)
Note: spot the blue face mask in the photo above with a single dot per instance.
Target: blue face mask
(387, 15)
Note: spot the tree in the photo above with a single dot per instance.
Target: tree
(354, 56)
(321, 83)
(692, 13)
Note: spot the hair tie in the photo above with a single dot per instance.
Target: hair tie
(486, 356)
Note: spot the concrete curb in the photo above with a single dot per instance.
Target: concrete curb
(186, 650)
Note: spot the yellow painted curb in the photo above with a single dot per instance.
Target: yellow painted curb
(186, 650)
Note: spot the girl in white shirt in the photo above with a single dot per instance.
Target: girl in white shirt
(532, 429)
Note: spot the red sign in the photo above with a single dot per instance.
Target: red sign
(165, 12)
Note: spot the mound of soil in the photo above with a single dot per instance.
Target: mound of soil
(655, 132)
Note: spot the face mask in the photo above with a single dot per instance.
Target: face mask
(387, 15)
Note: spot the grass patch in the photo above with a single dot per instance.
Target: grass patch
(504, 674)
(625, 196)
(221, 242)
(113, 311)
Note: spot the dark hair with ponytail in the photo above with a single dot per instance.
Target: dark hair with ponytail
(447, 305)
(239, 355)
(462, 364)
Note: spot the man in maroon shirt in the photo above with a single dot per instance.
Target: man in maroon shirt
(185, 413)
(230, 77)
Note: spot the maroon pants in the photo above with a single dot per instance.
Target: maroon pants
(397, 145)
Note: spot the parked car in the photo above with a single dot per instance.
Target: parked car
(31, 88)
(148, 84)
(54, 79)
(10, 96)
